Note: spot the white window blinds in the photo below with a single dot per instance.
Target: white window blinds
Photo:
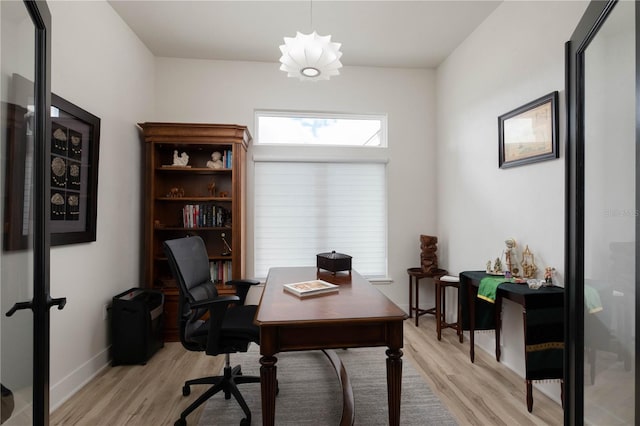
(306, 208)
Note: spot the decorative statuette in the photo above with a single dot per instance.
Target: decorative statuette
(181, 160)
(428, 254)
(216, 161)
(175, 192)
(529, 267)
(509, 257)
(497, 266)
(548, 275)
(211, 187)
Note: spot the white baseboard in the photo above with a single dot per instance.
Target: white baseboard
(74, 381)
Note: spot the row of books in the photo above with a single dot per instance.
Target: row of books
(205, 215)
(220, 271)
(227, 159)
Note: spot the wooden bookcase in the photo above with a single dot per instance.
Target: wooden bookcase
(180, 201)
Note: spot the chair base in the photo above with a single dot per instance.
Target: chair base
(226, 383)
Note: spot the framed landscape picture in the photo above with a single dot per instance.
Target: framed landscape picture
(529, 133)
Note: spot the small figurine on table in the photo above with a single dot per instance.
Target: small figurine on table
(548, 275)
(529, 267)
(497, 266)
(509, 253)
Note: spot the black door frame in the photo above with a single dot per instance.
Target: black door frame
(595, 15)
(41, 302)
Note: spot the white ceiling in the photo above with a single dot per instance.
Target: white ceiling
(414, 34)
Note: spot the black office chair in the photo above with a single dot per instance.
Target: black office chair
(228, 329)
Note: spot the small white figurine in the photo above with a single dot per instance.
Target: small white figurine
(182, 160)
(216, 161)
(509, 251)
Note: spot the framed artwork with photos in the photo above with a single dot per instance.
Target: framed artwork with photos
(73, 162)
(529, 134)
(75, 145)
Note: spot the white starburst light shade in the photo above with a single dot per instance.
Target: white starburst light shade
(310, 57)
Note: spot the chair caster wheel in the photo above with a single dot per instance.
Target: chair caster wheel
(227, 395)
(180, 422)
(245, 422)
(186, 390)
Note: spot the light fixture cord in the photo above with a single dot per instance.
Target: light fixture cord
(310, 16)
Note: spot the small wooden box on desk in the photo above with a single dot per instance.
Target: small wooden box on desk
(195, 199)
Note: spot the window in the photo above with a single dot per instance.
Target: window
(320, 129)
(314, 201)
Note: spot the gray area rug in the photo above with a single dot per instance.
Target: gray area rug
(310, 393)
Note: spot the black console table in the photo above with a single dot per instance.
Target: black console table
(542, 318)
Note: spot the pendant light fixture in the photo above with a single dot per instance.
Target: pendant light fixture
(310, 57)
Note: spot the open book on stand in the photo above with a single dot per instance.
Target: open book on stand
(311, 288)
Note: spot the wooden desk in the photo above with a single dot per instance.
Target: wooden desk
(357, 316)
(542, 320)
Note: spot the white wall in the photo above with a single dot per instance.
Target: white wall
(100, 65)
(228, 92)
(514, 57)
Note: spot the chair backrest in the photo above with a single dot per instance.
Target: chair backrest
(189, 265)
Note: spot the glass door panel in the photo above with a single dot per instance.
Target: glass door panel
(610, 215)
(17, 92)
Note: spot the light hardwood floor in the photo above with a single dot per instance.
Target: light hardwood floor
(482, 393)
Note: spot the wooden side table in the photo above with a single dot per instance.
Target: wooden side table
(417, 274)
(441, 283)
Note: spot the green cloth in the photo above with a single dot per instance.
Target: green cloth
(488, 287)
(592, 299)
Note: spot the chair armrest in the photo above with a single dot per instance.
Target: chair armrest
(227, 300)
(242, 287)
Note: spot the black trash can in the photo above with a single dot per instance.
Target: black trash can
(136, 325)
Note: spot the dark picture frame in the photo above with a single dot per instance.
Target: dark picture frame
(75, 147)
(529, 134)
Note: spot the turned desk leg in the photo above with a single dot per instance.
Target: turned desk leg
(394, 384)
(268, 385)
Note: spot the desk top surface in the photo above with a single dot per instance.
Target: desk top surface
(356, 300)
